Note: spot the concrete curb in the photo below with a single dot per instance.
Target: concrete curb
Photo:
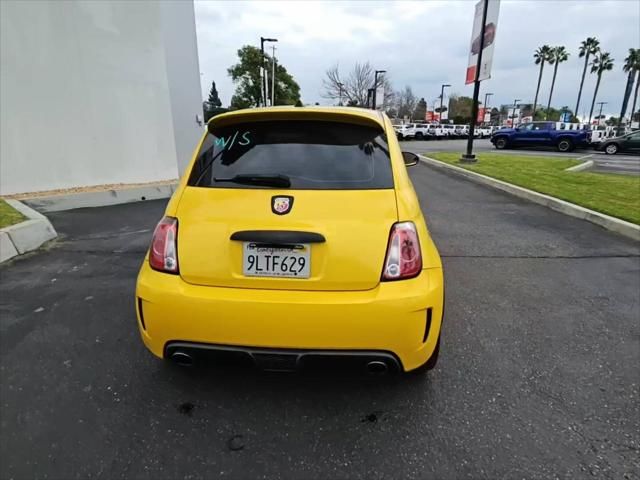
(581, 166)
(622, 227)
(24, 236)
(55, 203)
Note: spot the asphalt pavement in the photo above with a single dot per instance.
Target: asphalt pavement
(538, 376)
(622, 163)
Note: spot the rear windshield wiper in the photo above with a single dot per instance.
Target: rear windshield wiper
(278, 181)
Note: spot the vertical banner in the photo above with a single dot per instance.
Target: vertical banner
(380, 93)
(491, 27)
(481, 114)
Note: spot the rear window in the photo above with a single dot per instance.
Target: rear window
(313, 155)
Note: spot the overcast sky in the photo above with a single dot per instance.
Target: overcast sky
(421, 44)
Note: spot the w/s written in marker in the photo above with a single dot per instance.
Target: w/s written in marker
(228, 142)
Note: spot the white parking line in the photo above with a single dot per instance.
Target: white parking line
(586, 156)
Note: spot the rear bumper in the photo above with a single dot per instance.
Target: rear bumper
(391, 319)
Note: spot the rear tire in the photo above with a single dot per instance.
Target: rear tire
(565, 145)
(501, 143)
(431, 363)
(400, 136)
(611, 149)
(419, 135)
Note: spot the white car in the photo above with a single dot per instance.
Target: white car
(419, 131)
(461, 130)
(482, 132)
(449, 130)
(404, 131)
(436, 131)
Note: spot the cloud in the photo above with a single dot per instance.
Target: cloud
(421, 44)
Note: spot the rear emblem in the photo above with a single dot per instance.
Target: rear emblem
(281, 205)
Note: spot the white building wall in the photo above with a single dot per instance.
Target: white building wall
(85, 96)
(183, 74)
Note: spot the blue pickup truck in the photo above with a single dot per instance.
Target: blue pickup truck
(540, 134)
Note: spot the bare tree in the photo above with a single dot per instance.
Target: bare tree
(406, 102)
(354, 88)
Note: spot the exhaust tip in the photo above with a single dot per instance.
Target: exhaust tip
(377, 367)
(183, 359)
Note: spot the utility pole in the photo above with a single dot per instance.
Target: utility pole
(600, 114)
(263, 86)
(340, 86)
(444, 85)
(375, 85)
(469, 157)
(273, 75)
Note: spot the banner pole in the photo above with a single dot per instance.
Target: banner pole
(469, 157)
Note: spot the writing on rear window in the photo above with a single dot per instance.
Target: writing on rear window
(228, 141)
(302, 154)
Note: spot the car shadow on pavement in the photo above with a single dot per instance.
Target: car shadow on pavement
(248, 377)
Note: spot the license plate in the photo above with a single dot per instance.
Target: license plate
(276, 261)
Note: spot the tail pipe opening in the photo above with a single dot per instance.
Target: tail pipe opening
(377, 367)
(182, 358)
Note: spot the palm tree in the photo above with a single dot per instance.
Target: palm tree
(558, 55)
(542, 54)
(631, 66)
(601, 63)
(590, 46)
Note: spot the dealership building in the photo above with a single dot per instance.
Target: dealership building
(95, 93)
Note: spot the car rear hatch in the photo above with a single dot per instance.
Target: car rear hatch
(336, 212)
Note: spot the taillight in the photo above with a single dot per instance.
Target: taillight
(163, 254)
(404, 259)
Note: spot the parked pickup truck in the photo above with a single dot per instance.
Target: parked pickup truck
(540, 134)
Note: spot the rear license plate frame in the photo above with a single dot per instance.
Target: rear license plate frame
(276, 261)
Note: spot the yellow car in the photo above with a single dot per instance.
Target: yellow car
(295, 239)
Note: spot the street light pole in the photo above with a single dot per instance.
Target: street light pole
(513, 115)
(375, 86)
(600, 114)
(263, 86)
(441, 98)
(469, 157)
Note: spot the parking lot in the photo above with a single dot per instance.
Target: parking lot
(538, 371)
(627, 164)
